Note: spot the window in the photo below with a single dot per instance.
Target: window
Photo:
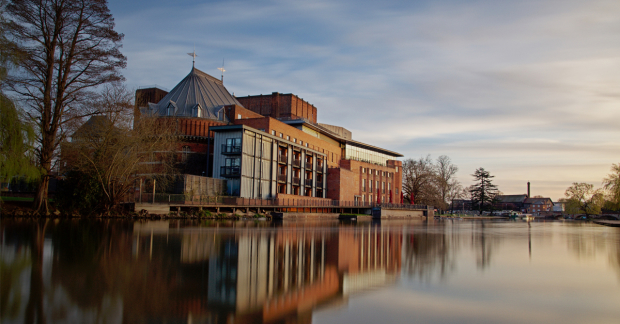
(238, 116)
(232, 167)
(197, 112)
(363, 184)
(185, 153)
(294, 140)
(363, 198)
(273, 133)
(288, 138)
(370, 185)
(281, 135)
(306, 144)
(170, 111)
(363, 170)
(301, 142)
(233, 142)
(396, 169)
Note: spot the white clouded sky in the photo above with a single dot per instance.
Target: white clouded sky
(529, 90)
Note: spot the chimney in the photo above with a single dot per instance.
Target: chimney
(528, 189)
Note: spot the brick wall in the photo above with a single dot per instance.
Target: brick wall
(237, 112)
(278, 105)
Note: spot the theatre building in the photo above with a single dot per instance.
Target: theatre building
(271, 146)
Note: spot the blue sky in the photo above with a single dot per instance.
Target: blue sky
(529, 90)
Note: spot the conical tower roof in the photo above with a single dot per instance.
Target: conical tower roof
(197, 95)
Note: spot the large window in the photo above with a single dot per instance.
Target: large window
(233, 145)
(232, 167)
(366, 155)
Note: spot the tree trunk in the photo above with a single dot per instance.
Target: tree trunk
(40, 199)
(45, 160)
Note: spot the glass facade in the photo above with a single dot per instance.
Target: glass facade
(366, 155)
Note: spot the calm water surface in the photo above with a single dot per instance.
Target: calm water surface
(308, 272)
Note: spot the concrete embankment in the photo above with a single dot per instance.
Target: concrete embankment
(612, 223)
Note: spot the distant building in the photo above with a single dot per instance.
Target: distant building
(538, 205)
(510, 202)
(559, 206)
(461, 204)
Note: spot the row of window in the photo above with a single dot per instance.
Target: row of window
(389, 186)
(378, 172)
(288, 138)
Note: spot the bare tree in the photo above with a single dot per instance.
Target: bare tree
(70, 47)
(113, 156)
(445, 178)
(419, 180)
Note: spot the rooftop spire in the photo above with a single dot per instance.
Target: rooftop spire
(222, 69)
(193, 55)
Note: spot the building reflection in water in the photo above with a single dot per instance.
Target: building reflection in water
(243, 272)
(270, 274)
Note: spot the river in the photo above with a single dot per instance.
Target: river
(256, 271)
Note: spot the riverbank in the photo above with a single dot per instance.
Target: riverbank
(22, 208)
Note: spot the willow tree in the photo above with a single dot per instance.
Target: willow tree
(17, 136)
(583, 198)
(16, 143)
(69, 48)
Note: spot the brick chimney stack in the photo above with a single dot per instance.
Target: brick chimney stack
(528, 189)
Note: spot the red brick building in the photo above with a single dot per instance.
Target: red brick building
(270, 145)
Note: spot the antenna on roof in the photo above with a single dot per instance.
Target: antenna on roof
(193, 55)
(222, 69)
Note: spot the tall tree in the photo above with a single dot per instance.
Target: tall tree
(583, 198)
(483, 192)
(70, 47)
(419, 180)
(612, 184)
(445, 178)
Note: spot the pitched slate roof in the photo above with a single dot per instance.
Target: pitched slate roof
(512, 198)
(196, 90)
(538, 201)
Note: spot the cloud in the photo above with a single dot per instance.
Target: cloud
(509, 85)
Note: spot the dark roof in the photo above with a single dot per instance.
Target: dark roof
(93, 127)
(511, 198)
(197, 89)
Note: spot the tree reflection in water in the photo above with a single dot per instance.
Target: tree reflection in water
(114, 271)
(233, 272)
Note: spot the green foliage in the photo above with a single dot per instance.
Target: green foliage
(81, 193)
(612, 184)
(582, 198)
(204, 213)
(17, 139)
(484, 192)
